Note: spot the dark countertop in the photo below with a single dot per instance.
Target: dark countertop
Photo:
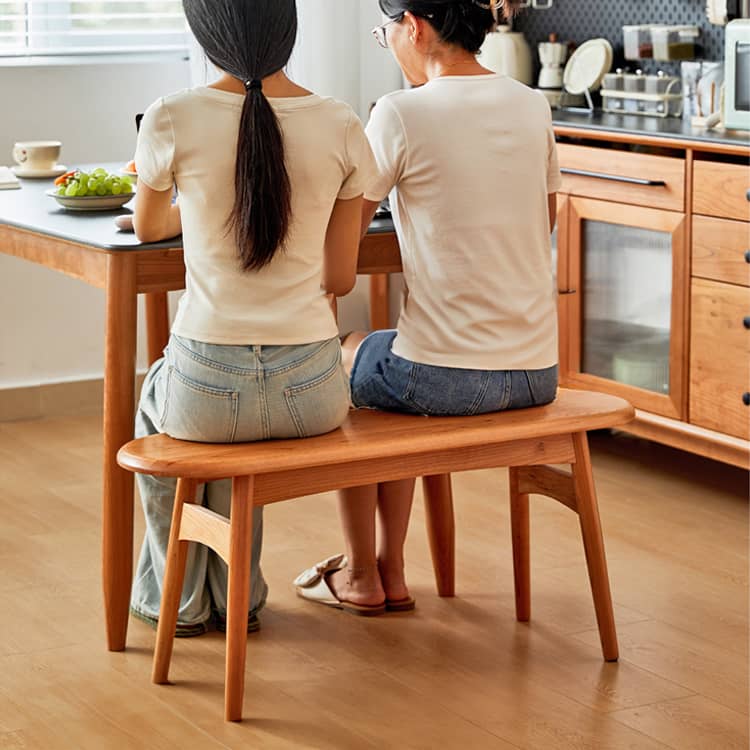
(30, 208)
(667, 127)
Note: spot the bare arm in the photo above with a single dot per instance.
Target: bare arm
(552, 204)
(155, 218)
(342, 247)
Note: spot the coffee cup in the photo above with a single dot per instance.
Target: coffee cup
(37, 154)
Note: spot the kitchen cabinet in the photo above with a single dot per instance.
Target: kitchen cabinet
(720, 357)
(653, 260)
(626, 318)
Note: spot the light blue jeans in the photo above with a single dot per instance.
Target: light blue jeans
(226, 394)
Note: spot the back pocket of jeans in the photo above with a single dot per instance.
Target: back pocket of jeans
(202, 413)
(321, 404)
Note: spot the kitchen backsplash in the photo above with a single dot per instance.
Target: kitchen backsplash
(579, 20)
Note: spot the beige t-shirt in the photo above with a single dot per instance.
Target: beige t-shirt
(190, 139)
(472, 160)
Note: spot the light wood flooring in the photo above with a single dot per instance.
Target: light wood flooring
(457, 674)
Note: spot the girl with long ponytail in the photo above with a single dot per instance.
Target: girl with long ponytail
(270, 180)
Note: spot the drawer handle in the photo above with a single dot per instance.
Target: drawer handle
(747, 195)
(746, 398)
(746, 321)
(567, 291)
(615, 177)
(747, 256)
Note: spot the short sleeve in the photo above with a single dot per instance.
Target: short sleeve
(388, 140)
(154, 154)
(360, 161)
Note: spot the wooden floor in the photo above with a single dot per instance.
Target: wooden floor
(456, 674)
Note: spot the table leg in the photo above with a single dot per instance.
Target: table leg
(379, 313)
(157, 324)
(119, 409)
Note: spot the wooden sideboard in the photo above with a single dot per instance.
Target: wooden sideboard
(654, 277)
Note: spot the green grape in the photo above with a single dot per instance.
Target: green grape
(98, 182)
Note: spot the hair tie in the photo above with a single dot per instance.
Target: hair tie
(254, 84)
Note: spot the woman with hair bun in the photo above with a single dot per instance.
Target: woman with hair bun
(469, 161)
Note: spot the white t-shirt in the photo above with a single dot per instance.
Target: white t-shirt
(190, 139)
(472, 159)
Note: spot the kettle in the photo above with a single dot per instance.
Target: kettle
(507, 52)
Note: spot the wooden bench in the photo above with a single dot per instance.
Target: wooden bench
(371, 447)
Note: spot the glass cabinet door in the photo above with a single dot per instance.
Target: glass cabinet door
(627, 328)
(627, 305)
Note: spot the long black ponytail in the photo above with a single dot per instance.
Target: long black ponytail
(250, 40)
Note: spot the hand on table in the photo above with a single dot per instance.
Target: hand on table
(125, 223)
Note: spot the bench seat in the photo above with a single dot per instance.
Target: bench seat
(371, 447)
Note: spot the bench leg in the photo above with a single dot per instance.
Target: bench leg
(238, 594)
(174, 576)
(593, 543)
(519, 524)
(441, 531)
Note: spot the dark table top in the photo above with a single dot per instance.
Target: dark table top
(31, 209)
(666, 127)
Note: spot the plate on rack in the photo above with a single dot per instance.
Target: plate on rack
(27, 173)
(587, 66)
(91, 202)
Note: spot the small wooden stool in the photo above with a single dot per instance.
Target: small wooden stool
(372, 447)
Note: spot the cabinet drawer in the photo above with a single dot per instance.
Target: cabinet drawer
(721, 190)
(720, 357)
(721, 250)
(623, 177)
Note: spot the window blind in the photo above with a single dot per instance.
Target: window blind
(82, 27)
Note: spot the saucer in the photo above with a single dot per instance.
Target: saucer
(20, 171)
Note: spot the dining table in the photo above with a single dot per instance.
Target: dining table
(88, 246)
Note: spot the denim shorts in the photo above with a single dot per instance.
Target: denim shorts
(228, 394)
(381, 379)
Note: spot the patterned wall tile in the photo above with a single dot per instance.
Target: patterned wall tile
(579, 20)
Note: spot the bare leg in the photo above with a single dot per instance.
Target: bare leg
(359, 583)
(349, 348)
(394, 508)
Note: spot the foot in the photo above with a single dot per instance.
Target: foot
(357, 585)
(394, 581)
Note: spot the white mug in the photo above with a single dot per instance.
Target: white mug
(37, 154)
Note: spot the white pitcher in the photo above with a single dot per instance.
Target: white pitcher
(507, 52)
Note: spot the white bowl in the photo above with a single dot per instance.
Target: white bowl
(92, 202)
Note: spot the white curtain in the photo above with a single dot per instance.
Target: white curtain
(335, 53)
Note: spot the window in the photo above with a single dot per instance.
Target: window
(84, 27)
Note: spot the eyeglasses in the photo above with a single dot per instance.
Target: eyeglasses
(381, 32)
